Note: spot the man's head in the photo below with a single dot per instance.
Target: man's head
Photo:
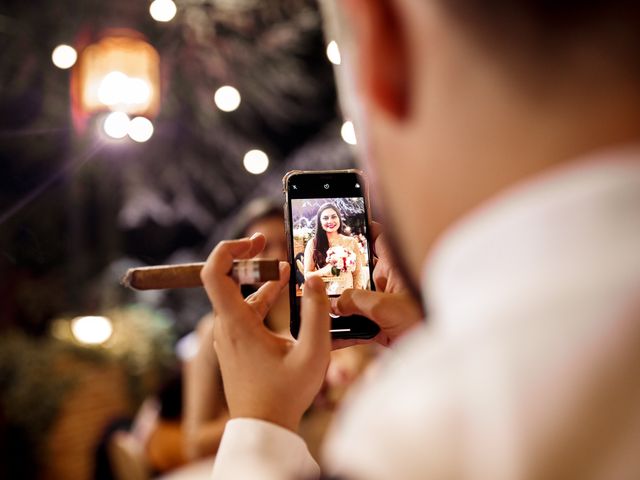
(464, 98)
(263, 215)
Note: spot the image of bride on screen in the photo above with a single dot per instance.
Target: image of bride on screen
(333, 254)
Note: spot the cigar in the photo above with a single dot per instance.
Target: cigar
(187, 275)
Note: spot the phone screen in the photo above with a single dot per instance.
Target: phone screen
(329, 237)
(330, 241)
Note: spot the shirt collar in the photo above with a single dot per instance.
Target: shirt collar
(516, 241)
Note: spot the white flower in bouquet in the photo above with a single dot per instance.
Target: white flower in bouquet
(341, 260)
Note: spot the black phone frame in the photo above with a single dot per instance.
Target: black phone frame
(312, 184)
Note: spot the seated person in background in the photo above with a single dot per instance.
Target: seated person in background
(205, 412)
(164, 445)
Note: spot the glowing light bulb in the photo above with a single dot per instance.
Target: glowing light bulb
(333, 53)
(227, 98)
(112, 88)
(91, 330)
(64, 56)
(163, 10)
(256, 162)
(116, 125)
(138, 91)
(348, 133)
(140, 129)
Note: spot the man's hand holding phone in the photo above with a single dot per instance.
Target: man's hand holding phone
(390, 306)
(273, 378)
(265, 376)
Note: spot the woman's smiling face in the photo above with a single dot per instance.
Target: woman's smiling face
(329, 220)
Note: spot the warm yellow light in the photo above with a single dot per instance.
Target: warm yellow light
(91, 330)
(348, 133)
(138, 92)
(116, 125)
(256, 162)
(140, 129)
(118, 90)
(64, 56)
(333, 53)
(112, 87)
(119, 73)
(163, 10)
(227, 98)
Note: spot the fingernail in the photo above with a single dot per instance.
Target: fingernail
(283, 266)
(255, 235)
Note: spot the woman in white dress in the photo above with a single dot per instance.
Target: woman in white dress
(330, 232)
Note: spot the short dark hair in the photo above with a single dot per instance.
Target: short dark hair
(552, 29)
(256, 210)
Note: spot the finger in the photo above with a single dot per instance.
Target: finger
(380, 277)
(222, 256)
(262, 300)
(314, 339)
(258, 242)
(380, 247)
(376, 230)
(349, 342)
(372, 305)
(222, 290)
(394, 313)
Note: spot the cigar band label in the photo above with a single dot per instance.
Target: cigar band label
(247, 272)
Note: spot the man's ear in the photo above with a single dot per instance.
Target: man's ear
(382, 69)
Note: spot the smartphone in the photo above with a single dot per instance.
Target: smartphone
(328, 235)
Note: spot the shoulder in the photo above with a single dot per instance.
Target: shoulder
(410, 389)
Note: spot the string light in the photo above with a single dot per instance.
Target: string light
(111, 88)
(333, 53)
(138, 92)
(227, 98)
(120, 72)
(91, 330)
(256, 162)
(140, 129)
(163, 10)
(116, 88)
(64, 56)
(116, 125)
(348, 133)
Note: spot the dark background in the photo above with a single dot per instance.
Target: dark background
(75, 212)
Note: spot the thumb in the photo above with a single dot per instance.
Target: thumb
(394, 313)
(370, 304)
(314, 338)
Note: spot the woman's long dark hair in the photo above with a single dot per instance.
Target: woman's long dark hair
(320, 241)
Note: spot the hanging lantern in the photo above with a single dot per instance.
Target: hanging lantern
(119, 73)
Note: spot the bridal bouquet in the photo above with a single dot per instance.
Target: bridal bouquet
(341, 260)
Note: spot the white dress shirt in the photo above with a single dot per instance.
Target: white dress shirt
(530, 364)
